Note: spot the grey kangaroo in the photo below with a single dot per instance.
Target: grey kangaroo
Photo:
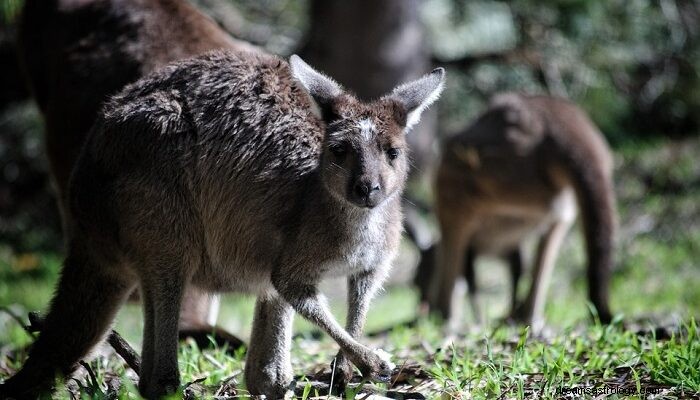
(521, 169)
(77, 53)
(231, 172)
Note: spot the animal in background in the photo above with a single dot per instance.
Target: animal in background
(231, 172)
(523, 168)
(78, 53)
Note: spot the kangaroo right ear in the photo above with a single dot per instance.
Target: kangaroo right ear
(418, 95)
(320, 87)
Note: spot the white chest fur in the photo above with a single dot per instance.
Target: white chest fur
(365, 248)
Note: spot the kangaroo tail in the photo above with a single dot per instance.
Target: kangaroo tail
(83, 307)
(588, 161)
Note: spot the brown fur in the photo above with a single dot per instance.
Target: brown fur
(515, 172)
(77, 53)
(216, 172)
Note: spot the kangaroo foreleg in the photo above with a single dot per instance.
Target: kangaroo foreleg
(306, 301)
(361, 289)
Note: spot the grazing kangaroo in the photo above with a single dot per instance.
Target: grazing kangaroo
(77, 53)
(232, 172)
(519, 170)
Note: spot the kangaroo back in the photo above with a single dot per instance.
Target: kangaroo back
(77, 53)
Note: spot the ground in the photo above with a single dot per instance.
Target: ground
(651, 350)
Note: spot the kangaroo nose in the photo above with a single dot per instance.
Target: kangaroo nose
(365, 189)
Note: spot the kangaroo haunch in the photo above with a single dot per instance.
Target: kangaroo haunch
(231, 172)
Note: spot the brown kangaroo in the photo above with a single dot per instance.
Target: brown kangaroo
(520, 170)
(231, 171)
(77, 53)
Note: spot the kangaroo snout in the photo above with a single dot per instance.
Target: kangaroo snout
(366, 193)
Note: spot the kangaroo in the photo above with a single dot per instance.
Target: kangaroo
(232, 172)
(77, 53)
(521, 169)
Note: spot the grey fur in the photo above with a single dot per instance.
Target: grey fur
(321, 88)
(216, 172)
(418, 95)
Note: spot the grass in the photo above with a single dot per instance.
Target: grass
(652, 350)
(503, 362)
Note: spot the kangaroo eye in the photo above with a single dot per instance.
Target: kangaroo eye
(392, 153)
(338, 150)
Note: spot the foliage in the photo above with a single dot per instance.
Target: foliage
(633, 65)
(28, 215)
(9, 9)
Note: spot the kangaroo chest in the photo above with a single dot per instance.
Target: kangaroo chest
(365, 248)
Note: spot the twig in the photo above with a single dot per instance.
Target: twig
(203, 337)
(330, 387)
(412, 323)
(125, 351)
(398, 374)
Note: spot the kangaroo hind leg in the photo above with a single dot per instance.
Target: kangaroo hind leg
(162, 292)
(89, 293)
(532, 311)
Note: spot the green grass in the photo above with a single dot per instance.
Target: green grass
(652, 346)
(596, 357)
(504, 362)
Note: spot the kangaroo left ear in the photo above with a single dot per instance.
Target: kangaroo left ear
(320, 87)
(416, 96)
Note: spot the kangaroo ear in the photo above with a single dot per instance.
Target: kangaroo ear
(320, 87)
(416, 96)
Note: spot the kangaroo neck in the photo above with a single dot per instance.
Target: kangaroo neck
(318, 203)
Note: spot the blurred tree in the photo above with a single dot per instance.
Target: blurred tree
(9, 10)
(29, 219)
(11, 79)
(276, 25)
(631, 64)
(28, 216)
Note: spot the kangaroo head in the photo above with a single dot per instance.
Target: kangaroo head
(364, 160)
